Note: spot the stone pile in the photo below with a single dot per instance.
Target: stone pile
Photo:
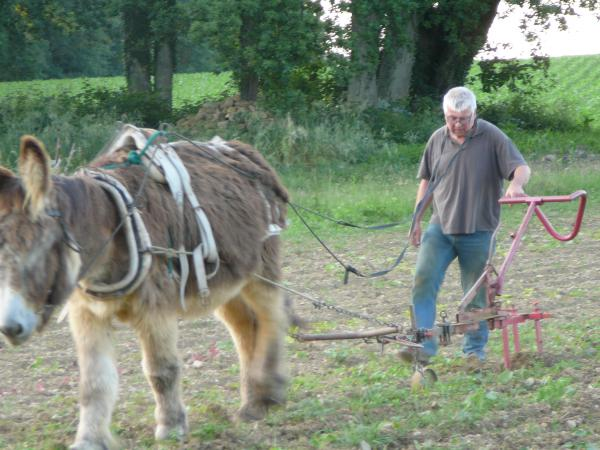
(220, 114)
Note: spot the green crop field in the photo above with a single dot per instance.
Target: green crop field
(187, 87)
(573, 81)
(578, 80)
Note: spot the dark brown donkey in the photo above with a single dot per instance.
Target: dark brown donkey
(57, 238)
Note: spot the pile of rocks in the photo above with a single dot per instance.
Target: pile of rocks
(220, 114)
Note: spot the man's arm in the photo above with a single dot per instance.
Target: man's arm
(520, 178)
(415, 232)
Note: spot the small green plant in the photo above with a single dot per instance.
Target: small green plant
(553, 391)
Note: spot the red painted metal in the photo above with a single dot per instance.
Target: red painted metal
(537, 201)
(505, 347)
(511, 318)
(505, 318)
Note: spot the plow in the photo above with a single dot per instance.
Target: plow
(505, 319)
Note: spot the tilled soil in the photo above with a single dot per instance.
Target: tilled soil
(38, 382)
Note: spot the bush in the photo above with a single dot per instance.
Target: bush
(401, 125)
(315, 139)
(67, 122)
(60, 128)
(528, 112)
(310, 138)
(517, 94)
(147, 109)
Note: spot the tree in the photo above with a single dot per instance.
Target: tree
(422, 47)
(264, 42)
(449, 35)
(164, 27)
(137, 46)
(54, 39)
(149, 47)
(23, 51)
(381, 43)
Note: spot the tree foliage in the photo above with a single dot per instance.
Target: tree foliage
(264, 42)
(56, 39)
(41, 39)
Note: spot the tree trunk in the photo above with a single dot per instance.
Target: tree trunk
(362, 86)
(165, 26)
(248, 78)
(137, 45)
(248, 84)
(443, 59)
(164, 68)
(397, 60)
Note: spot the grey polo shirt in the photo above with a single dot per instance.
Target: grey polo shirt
(470, 177)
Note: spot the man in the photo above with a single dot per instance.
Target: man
(464, 166)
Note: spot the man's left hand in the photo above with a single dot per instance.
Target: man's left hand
(514, 191)
(520, 179)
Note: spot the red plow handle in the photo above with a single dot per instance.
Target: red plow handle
(538, 201)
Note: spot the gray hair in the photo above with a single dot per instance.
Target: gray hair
(460, 99)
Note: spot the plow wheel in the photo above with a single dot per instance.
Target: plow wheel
(422, 377)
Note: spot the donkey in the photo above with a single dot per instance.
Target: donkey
(59, 235)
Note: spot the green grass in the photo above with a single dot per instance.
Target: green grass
(367, 196)
(362, 195)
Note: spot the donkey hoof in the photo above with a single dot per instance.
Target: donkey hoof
(88, 445)
(164, 432)
(252, 412)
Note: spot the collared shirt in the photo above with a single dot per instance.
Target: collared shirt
(469, 177)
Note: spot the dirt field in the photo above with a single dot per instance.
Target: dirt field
(38, 382)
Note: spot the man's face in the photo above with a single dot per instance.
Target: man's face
(459, 123)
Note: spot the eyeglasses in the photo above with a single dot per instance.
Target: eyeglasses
(455, 119)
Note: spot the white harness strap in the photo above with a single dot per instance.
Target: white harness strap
(178, 179)
(274, 229)
(137, 238)
(165, 166)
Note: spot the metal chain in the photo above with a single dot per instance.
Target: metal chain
(318, 304)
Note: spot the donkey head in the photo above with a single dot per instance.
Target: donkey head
(37, 270)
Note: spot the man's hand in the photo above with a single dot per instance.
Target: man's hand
(520, 179)
(514, 191)
(415, 234)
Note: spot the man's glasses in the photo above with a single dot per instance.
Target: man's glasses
(455, 119)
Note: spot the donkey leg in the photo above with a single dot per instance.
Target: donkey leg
(162, 367)
(98, 378)
(266, 375)
(241, 323)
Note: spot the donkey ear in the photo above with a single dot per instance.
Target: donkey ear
(9, 184)
(34, 168)
(6, 176)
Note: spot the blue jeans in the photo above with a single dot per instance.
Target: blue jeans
(436, 253)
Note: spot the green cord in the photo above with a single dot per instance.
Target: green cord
(135, 157)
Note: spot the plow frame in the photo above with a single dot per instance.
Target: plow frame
(466, 318)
